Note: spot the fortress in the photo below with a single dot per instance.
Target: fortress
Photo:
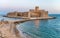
(31, 13)
(8, 28)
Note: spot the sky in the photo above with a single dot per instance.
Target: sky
(52, 6)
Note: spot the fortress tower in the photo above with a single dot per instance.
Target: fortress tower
(36, 8)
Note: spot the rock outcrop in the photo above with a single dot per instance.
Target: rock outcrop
(8, 30)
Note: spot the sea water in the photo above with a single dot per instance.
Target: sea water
(46, 29)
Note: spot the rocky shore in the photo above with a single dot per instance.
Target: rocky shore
(9, 30)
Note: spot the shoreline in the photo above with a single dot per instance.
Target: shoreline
(40, 18)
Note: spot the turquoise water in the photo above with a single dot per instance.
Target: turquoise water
(46, 28)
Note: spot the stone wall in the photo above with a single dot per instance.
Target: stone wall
(44, 13)
(31, 13)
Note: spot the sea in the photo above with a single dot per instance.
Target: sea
(49, 28)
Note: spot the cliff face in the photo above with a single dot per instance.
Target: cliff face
(8, 30)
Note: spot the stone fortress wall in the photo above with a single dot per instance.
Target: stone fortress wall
(31, 13)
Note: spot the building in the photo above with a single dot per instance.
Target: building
(31, 13)
(38, 13)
